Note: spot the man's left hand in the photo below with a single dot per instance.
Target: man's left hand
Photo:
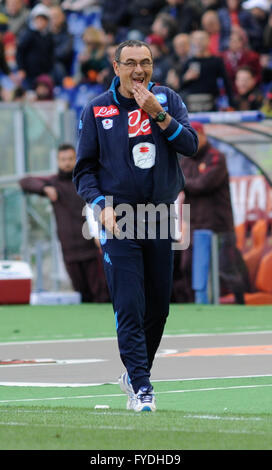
(146, 100)
(149, 103)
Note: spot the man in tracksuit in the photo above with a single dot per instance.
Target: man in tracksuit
(127, 149)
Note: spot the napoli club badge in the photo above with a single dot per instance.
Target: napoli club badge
(144, 155)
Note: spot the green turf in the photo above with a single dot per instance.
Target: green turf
(194, 414)
(201, 414)
(24, 322)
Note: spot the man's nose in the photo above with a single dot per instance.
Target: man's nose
(138, 68)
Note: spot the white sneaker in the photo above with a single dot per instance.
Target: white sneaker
(127, 388)
(145, 400)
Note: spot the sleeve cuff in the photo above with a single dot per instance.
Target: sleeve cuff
(173, 130)
(98, 205)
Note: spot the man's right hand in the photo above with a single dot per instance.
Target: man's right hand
(108, 219)
(51, 193)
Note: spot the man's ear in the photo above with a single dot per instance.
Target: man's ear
(116, 68)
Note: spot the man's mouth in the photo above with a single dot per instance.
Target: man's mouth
(138, 79)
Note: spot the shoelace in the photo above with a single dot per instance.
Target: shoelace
(145, 397)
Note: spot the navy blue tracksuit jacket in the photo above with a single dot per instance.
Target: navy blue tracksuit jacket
(121, 149)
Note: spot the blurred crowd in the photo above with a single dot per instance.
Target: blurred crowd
(217, 54)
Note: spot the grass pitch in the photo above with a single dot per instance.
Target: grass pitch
(192, 414)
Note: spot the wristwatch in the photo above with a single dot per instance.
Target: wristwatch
(160, 116)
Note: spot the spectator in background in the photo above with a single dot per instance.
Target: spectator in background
(186, 15)
(266, 58)
(93, 60)
(181, 54)
(114, 16)
(207, 191)
(44, 88)
(211, 5)
(108, 73)
(267, 104)
(4, 68)
(8, 40)
(268, 32)
(238, 54)
(7, 78)
(232, 15)
(35, 49)
(248, 96)
(79, 5)
(182, 49)
(259, 10)
(164, 25)
(211, 24)
(63, 44)
(140, 15)
(200, 85)
(81, 256)
(18, 15)
(161, 61)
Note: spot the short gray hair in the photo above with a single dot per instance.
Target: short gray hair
(130, 43)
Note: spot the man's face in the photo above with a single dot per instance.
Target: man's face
(233, 4)
(181, 44)
(235, 42)
(210, 22)
(244, 82)
(57, 17)
(140, 72)
(41, 22)
(66, 160)
(42, 91)
(200, 42)
(13, 6)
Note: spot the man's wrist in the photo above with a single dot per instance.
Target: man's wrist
(165, 123)
(160, 116)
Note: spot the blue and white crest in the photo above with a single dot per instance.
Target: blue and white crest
(161, 97)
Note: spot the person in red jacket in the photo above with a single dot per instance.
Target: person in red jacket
(81, 256)
(239, 54)
(208, 194)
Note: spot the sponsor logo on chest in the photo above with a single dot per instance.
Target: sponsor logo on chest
(144, 155)
(138, 123)
(105, 111)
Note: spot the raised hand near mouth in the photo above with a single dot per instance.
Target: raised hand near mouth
(146, 100)
(149, 103)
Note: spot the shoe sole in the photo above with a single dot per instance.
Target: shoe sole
(148, 408)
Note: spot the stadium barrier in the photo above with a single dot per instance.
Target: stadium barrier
(30, 135)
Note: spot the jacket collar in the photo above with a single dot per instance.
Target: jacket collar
(115, 84)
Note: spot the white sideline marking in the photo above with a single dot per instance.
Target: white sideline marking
(113, 395)
(47, 384)
(124, 413)
(226, 418)
(128, 428)
(52, 384)
(113, 338)
(53, 362)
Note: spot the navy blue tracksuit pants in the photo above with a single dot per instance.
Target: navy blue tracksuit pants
(139, 273)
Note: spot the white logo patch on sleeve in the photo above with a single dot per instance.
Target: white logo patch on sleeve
(144, 155)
